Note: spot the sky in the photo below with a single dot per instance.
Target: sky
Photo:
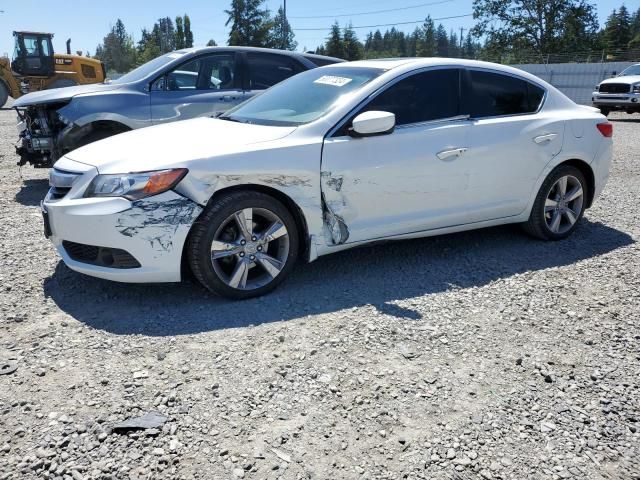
(87, 22)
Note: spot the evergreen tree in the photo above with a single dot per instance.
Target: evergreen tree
(212, 43)
(454, 46)
(188, 34)
(428, 45)
(250, 23)
(334, 46)
(117, 50)
(442, 41)
(282, 35)
(179, 34)
(353, 49)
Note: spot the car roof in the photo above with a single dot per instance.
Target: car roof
(408, 64)
(288, 53)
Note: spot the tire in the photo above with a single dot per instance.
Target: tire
(225, 275)
(4, 94)
(549, 204)
(605, 111)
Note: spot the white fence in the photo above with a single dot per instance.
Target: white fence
(576, 80)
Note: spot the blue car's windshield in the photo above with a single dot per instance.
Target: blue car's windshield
(303, 98)
(148, 68)
(632, 70)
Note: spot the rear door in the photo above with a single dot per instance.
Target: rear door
(263, 70)
(512, 140)
(203, 86)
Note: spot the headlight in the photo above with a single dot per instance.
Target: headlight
(636, 88)
(135, 185)
(597, 88)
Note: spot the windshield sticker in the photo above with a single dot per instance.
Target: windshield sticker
(333, 80)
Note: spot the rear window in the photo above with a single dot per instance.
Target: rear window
(495, 94)
(321, 62)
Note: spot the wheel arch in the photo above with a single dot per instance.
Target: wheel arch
(286, 200)
(588, 173)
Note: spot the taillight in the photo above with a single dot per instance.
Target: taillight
(606, 129)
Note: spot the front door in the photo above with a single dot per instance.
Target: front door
(414, 179)
(201, 87)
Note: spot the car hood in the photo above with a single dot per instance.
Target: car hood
(175, 145)
(627, 79)
(60, 95)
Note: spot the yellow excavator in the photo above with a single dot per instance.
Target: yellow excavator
(36, 67)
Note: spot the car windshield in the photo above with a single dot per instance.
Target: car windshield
(632, 70)
(143, 71)
(303, 98)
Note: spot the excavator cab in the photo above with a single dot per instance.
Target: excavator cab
(33, 54)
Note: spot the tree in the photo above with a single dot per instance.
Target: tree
(617, 31)
(282, 35)
(250, 23)
(212, 43)
(334, 46)
(179, 33)
(516, 25)
(442, 42)
(353, 49)
(188, 34)
(428, 45)
(117, 50)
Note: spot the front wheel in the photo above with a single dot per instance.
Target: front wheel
(560, 204)
(243, 245)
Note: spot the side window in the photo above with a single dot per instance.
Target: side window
(267, 69)
(495, 94)
(422, 97)
(213, 72)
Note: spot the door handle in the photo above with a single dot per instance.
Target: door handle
(453, 153)
(545, 138)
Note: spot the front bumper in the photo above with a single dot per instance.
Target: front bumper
(152, 231)
(621, 101)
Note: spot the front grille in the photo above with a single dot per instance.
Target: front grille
(615, 88)
(100, 256)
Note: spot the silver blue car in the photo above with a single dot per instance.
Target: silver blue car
(177, 86)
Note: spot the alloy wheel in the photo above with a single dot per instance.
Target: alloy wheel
(250, 248)
(563, 205)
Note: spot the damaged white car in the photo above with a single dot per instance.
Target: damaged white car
(330, 159)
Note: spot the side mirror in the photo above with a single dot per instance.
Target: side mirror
(369, 124)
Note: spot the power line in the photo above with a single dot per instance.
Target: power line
(386, 24)
(378, 11)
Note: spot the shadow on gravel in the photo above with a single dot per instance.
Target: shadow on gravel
(32, 192)
(376, 275)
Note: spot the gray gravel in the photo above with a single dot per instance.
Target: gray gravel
(483, 355)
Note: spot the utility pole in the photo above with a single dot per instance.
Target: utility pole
(461, 34)
(286, 33)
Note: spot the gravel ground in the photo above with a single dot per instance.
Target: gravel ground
(483, 355)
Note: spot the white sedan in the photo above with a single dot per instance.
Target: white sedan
(330, 159)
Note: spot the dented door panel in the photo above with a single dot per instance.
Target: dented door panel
(394, 184)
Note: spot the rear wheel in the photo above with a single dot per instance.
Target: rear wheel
(243, 245)
(560, 204)
(605, 111)
(4, 94)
